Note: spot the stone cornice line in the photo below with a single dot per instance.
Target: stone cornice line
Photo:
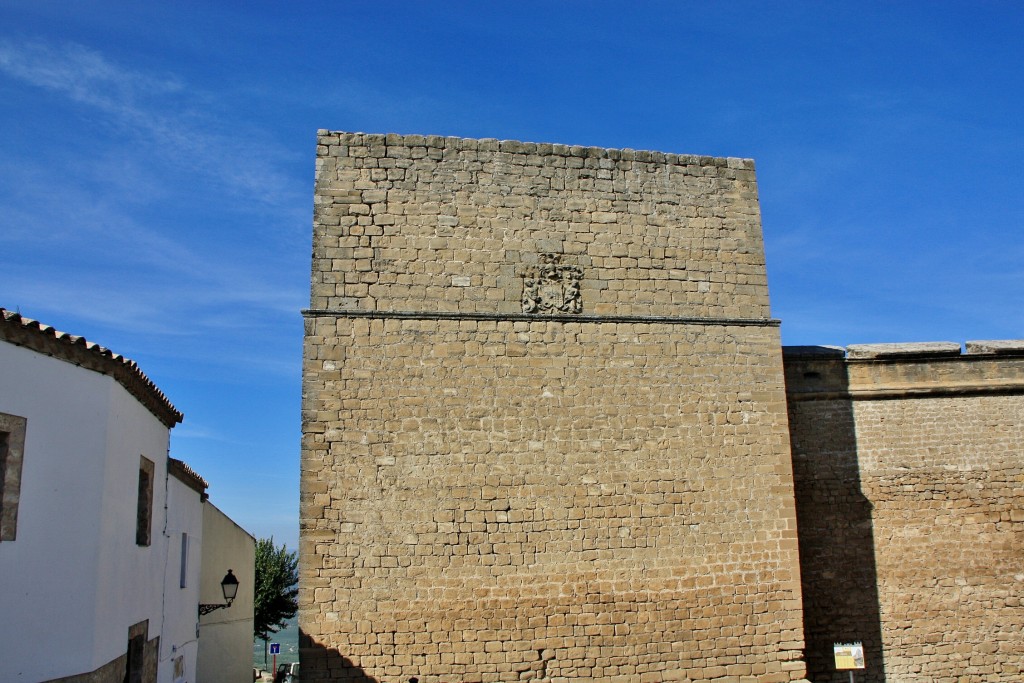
(535, 318)
(882, 393)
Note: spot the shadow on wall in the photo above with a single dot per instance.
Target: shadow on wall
(836, 536)
(320, 664)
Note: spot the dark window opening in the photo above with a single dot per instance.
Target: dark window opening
(5, 439)
(12, 451)
(183, 575)
(144, 518)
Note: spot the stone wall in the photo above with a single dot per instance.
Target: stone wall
(444, 224)
(910, 496)
(544, 431)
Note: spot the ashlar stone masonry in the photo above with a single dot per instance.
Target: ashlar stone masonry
(544, 419)
(909, 473)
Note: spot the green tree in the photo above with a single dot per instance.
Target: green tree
(277, 579)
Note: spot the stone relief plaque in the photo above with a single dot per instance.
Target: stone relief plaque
(552, 287)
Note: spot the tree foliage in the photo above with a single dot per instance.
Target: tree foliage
(277, 579)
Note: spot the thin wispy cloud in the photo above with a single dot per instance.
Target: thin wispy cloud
(94, 219)
(158, 109)
(159, 308)
(193, 431)
(83, 75)
(93, 238)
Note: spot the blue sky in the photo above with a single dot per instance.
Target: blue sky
(156, 167)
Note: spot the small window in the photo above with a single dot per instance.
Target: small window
(183, 582)
(12, 451)
(144, 518)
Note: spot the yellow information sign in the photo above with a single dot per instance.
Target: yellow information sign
(848, 656)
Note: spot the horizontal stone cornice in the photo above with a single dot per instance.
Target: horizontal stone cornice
(534, 318)
(814, 375)
(880, 393)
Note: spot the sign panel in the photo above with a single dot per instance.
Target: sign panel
(275, 648)
(848, 656)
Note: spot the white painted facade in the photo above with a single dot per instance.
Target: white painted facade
(75, 581)
(75, 576)
(179, 636)
(226, 636)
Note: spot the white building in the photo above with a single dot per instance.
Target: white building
(100, 531)
(183, 532)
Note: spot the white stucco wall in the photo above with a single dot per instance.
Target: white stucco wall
(179, 636)
(74, 579)
(130, 577)
(225, 636)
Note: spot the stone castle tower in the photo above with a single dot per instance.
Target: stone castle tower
(545, 432)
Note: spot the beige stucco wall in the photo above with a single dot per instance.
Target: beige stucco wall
(491, 493)
(225, 635)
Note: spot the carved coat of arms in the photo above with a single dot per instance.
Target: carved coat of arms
(551, 287)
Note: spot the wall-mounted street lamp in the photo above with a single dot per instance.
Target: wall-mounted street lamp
(228, 586)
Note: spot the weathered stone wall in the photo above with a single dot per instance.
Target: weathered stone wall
(593, 483)
(910, 495)
(445, 224)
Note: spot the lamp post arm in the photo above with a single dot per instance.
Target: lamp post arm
(206, 609)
